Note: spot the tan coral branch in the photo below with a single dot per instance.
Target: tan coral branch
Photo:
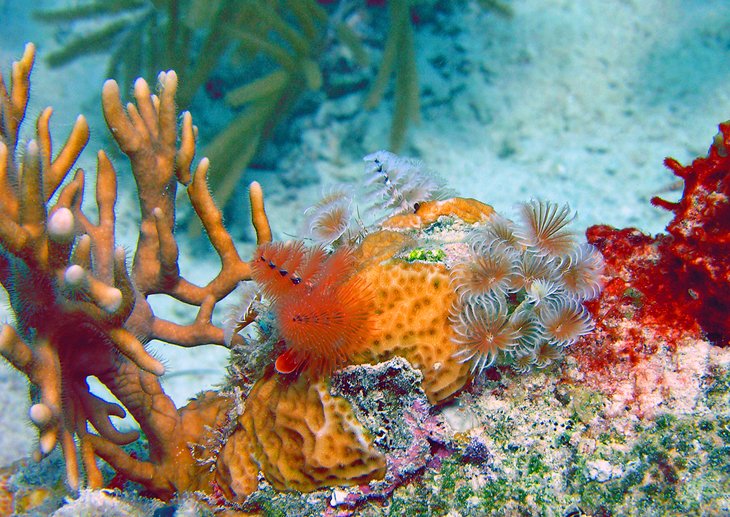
(81, 312)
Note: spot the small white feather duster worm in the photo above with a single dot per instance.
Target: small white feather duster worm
(398, 184)
(330, 218)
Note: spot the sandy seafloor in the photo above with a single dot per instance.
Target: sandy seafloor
(571, 101)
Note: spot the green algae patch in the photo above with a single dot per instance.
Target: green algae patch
(585, 404)
(425, 255)
(636, 297)
(677, 466)
(718, 393)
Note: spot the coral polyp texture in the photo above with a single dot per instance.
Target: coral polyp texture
(420, 355)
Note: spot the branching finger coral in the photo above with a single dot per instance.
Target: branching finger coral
(193, 37)
(81, 311)
(290, 37)
(144, 36)
(399, 59)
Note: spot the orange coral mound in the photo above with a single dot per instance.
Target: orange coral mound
(467, 209)
(412, 315)
(302, 437)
